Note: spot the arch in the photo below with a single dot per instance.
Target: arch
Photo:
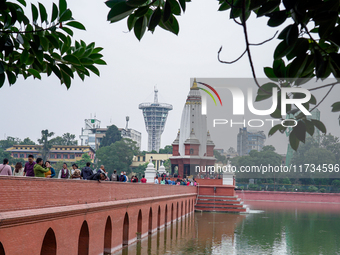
(159, 218)
(182, 208)
(2, 250)
(126, 230)
(166, 215)
(150, 221)
(49, 245)
(185, 208)
(108, 236)
(139, 225)
(83, 241)
(177, 212)
(172, 212)
(189, 208)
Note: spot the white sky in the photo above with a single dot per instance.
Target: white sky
(133, 69)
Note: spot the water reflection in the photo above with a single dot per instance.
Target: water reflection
(284, 228)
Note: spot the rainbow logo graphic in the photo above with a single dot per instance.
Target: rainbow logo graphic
(209, 93)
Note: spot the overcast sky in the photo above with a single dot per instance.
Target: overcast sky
(133, 69)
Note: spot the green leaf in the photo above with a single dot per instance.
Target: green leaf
(223, 7)
(24, 56)
(140, 27)
(119, 12)
(53, 41)
(292, 34)
(72, 59)
(131, 21)
(66, 79)
(76, 24)
(293, 141)
(136, 3)
(336, 107)
(23, 2)
(11, 77)
(93, 69)
(282, 50)
(155, 19)
(35, 73)
(309, 127)
(2, 79)
(99, 62)
(94, 56)
(273, 130)
(279, 68)
(297, 66)
(66, 70)
(167, 11)
(277, 18)
(319, 125)
(43, 13)
(268, 7)
(98, 49)
(86, 61)
(66, 15)
(175, 8)
(67, 30)
(34, 12)
(267, 89)
(62, 6)
(300, 48)
(171, 25)
(182, 3)
(300, 131)
(283, 33)
(54, 12)
(269, 72)
(141, 11)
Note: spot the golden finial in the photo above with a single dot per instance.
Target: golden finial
(194, 85)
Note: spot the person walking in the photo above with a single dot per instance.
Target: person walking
(5, 169)
(114, 177)
(18, 169)
(86, 171)
(29, 166)
(64, 173)
(51, 173)
(40, 169)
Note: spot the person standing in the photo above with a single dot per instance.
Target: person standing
(5, 169)
(18, 169)
(126, 177)
(51, 173)
(86, 171)
(114, 177)
(64, 173)
(122, 177)
(40, 169)
(143, 180)
(29, 166)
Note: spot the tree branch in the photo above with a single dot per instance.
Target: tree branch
(258, 44)
(329, 91)
(231, 62)
(324, 86)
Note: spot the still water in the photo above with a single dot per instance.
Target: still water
(270, 228)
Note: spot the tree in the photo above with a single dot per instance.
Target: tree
(67, 139)
(167, 150)
(27, 141)
(219, 157)
(308, 48)
(231, 150)
(9, 142)
(140, 170)
(112, 135)
(118, 155)
(46, 143)
(268, 148)
(84, 159)
(43, 45)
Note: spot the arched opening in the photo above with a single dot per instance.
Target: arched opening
(192, 205)
(172, 212)
(166, 215)
(159, 218)
(139, 225)
(185, 208)
(2, 250)
(182, 208)
(150, 221)
(108, 236)
(177, 211)
(83, 242)
(49, 246)
(126, 230)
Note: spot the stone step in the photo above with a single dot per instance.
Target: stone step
(218, 197)
(219, 200)
(219, 205)
(209, 209)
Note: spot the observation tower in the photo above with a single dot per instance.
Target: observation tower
(155, 115)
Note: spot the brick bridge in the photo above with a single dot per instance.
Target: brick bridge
(54, 216)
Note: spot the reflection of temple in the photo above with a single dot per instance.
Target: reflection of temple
(193, 145)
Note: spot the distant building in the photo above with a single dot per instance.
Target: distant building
(248, 140)
(92, 135)
(157, 159)
(132, 134)
(155, 115)
(57, 152)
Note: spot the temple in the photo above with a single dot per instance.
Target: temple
(193, 145)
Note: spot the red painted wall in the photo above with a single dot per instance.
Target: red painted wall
(32, 206)
(289, 196)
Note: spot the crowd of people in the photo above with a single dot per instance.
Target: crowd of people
(39, 168)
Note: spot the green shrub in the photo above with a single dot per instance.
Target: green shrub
(322, 190)
(336, 183)
(286, 181)
(259, 188)
(312, 189)
(242, 187)
(282, 188)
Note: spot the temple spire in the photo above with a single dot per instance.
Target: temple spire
(194, 84)
(156, 95)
